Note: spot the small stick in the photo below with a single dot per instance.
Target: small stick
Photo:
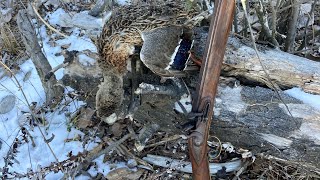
(48, 25)
(165, 140)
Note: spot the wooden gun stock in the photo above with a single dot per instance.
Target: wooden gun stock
(203, 101)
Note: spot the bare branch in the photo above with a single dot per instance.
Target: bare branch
(53, 92)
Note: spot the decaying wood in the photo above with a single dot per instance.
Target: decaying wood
(52, 91)
(286, 70)
(184, 166)
(255, 119)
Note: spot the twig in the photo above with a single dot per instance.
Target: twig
(128, 153)
(260, 61)
(95, 153)
(165, 140)
(274, 22)
(241, 170)
(53, 93)
(264, 24)
(48, 25)
(308, 166)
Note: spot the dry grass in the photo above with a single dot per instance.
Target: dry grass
(10, 40)
(265, 167)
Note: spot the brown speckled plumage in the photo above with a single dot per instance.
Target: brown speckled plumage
(123, 32)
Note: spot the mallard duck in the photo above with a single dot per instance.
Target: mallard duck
(157, 29)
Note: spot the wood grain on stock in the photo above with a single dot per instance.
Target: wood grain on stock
(209, 78)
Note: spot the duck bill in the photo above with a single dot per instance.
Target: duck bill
(203, 102)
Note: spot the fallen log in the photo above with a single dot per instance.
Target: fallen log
(285, 70)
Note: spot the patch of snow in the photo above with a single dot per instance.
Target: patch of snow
(310, 127)
(81, 20)
(54, 176)
(86, 60)
(57, 121)
(40, 155)
(55, 17)
(78, 43)
(123, 2)
(104, 168)
(310, 99)
(146, 87)
(305, 16)
(299, 110)
(236, 105)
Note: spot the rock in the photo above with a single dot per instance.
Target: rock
(7, 104)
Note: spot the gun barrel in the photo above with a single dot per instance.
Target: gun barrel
(203, 101)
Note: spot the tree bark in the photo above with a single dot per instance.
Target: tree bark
(292, 27)
(30, 40)
(286, 70)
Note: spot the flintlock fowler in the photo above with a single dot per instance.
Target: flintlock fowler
(203, 102)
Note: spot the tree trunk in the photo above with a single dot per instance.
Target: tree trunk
(292, 27)
(30, 40)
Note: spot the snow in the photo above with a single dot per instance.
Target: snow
(78, 44)
(40, 155)
(28, 156)
(85, 60)
(310, 99)
(123, 2)
(58, 122)
(54, 18)
(309, 111)
(104, 168)
(81, 20)
(237, 105)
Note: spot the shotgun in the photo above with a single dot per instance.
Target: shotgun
(203, 102)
